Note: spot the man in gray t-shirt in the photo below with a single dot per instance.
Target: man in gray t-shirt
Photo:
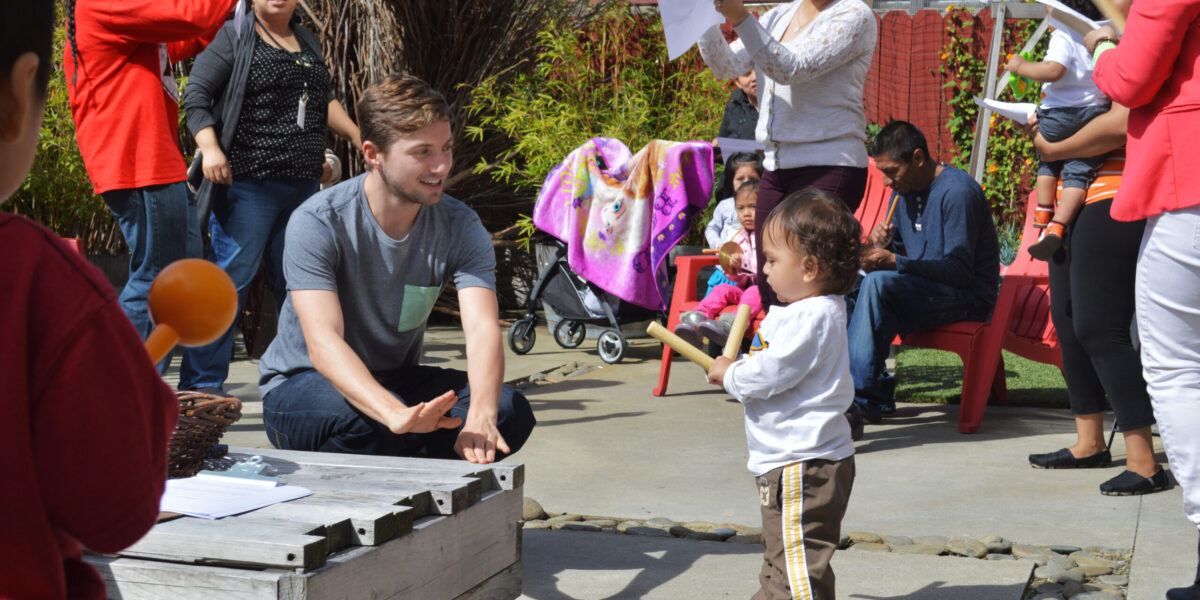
(364, 262)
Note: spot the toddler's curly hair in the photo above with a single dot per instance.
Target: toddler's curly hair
(817, 224)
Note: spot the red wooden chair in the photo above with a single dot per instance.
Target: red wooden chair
(1030, 334)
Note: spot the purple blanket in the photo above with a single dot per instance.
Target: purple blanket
(620, 215)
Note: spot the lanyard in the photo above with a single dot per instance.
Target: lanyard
(302, 61)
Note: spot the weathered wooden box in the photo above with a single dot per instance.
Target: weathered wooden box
(375, 527)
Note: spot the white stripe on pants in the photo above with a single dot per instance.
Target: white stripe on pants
(1168, 318)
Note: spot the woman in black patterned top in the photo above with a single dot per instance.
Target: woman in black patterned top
(259, 101)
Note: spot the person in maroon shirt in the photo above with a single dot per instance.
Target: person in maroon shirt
(84, 416)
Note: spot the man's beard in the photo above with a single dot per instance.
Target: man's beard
(406, 195)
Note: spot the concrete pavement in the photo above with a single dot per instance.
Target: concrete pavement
(605, 446)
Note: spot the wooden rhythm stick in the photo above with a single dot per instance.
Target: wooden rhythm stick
(737, 331)
(709, 251)
(192, 302)
(1109, 10)
(677, 344)
(891, 211)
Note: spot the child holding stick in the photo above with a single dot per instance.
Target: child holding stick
(795, 386)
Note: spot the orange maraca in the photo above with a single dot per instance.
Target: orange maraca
(192, 302)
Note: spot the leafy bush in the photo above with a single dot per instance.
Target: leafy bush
(610, 79)
(57, 192)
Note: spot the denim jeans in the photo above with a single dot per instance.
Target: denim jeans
(307, 413)
(160, 226)
(245, 226)
(885, 304)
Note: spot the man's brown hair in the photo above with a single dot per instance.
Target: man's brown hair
(819, 225)
(398, 106)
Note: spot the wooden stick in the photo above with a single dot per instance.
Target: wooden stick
(710, 251)
(1109, 10)
(891, 211)
(677, 344)
(737, 331)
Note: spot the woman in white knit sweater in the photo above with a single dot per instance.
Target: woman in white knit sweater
(811, 59)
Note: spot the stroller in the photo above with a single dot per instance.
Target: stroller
(578, 303)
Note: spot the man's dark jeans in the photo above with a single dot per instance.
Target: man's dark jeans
(307, 413)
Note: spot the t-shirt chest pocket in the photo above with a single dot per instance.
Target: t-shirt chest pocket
(417, 305)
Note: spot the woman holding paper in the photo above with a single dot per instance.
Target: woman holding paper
(1152, 70)
(811, 58)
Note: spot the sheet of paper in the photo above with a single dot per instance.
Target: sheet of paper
(1063, 15)
(731, 146)
(1017, 111)
(217, 497)
(684, 21)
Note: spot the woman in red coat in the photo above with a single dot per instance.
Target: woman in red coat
(1152, 70)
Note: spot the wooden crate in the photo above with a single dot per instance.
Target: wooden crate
(375, 527)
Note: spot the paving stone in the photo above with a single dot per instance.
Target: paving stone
(1096, 596)
(602, 522)
(1095, 571)
(536, 524)
(927, 549)
(623, 526)
(1063, 562)
(1051, 573)
(1048, 597)
(1075, 575)
(532, 510)
(966, 547)
(1049, 588)
(996, 544)
(897, 540)
(700, 525)
(679, 531)
(870, 547)
(859, 537)
(1065, 549)
(724, 532)
(660, 521)
(843, 542)
(1037, 554)
(742, 538)
(930, 539)
(1072, 588)
(645, 531)
(563, 518)
(577, 526)
(704, 536)
(1087, 559)
(999, 556)
(1119, 580)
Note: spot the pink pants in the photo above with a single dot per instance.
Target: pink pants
(730, 295)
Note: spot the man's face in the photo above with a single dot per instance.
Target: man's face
(903, 177)
(415, 166)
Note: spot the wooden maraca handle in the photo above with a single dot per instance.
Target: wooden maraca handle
(737, 331)
(160, 342)
(677, 344)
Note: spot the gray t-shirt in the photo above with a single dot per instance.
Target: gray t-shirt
(386, 287)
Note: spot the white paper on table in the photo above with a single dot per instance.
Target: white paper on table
(684, 21)
(217, 497)
(731, 146)
(1017, 111)
(1061, 14)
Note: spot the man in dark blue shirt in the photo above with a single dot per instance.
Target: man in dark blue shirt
(935, 263)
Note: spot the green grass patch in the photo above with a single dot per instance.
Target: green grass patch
(935, 377)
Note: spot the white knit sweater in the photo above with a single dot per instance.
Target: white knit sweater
(811, 88)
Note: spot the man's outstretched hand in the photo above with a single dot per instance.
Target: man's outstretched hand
(479, 440)
(424, 417)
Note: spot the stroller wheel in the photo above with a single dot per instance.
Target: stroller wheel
(521, 336)
(611, 346)
(569, 334)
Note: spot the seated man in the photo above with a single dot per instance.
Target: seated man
(936, 263)
(365, 261)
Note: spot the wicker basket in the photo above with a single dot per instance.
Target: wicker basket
(202, 421)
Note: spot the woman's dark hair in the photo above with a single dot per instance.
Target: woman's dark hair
(736, 161)
(28, 26)
(817, 224)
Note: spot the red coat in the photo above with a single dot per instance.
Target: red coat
(1153, 72)
(84, 419)
(126, 122)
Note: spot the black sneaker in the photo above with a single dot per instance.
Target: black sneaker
(855, 417)
(1192, 592)
(1129, 483)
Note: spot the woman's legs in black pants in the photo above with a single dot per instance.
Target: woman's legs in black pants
(1092, 283)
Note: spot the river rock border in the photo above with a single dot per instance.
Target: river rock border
(1062, 573)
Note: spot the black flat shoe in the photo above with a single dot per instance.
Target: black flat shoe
(1063, 459)
(1191, 592)
(1129, 483)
